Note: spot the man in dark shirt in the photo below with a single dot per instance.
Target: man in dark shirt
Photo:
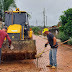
(53, 50)
(3, 34)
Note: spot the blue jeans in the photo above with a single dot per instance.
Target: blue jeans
(0, 55)
(52, 56)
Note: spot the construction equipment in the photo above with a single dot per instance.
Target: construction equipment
(24, 47)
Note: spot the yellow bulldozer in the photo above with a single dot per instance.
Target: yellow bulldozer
(18, 29)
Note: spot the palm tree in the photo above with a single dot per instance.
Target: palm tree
(6, 4)
(29, 16)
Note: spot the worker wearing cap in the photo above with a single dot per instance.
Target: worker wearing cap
(3, 34)
(53, 50)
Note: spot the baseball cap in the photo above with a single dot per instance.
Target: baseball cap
(45, 29)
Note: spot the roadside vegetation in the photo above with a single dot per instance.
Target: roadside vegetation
(37, 30)
(65, 31)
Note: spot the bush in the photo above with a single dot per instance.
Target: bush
(70, 42)
(62, 36)
(36, 30)
(61, 28)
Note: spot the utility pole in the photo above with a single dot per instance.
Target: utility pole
(46, 20)
(44, 17)
(36, 22)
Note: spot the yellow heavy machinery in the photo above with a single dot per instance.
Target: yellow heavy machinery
(21, 35)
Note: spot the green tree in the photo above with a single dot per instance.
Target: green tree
(6, 4)
(66, 20)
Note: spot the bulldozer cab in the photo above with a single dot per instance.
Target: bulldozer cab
(18, 17)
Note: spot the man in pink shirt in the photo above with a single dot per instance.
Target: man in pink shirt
(3, 34)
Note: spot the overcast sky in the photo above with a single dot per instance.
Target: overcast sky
(53, 10)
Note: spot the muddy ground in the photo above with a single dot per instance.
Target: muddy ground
(64, 60)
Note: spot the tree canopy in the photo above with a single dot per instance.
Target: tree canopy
(6, 4)
(66, 20)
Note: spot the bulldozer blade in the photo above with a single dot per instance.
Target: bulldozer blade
(19, 50)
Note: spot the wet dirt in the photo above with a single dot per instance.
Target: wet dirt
(64, 60)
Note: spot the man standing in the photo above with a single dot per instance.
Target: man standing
(3, 34)
(53, 50)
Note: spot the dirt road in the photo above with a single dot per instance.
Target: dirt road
(64, 60)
